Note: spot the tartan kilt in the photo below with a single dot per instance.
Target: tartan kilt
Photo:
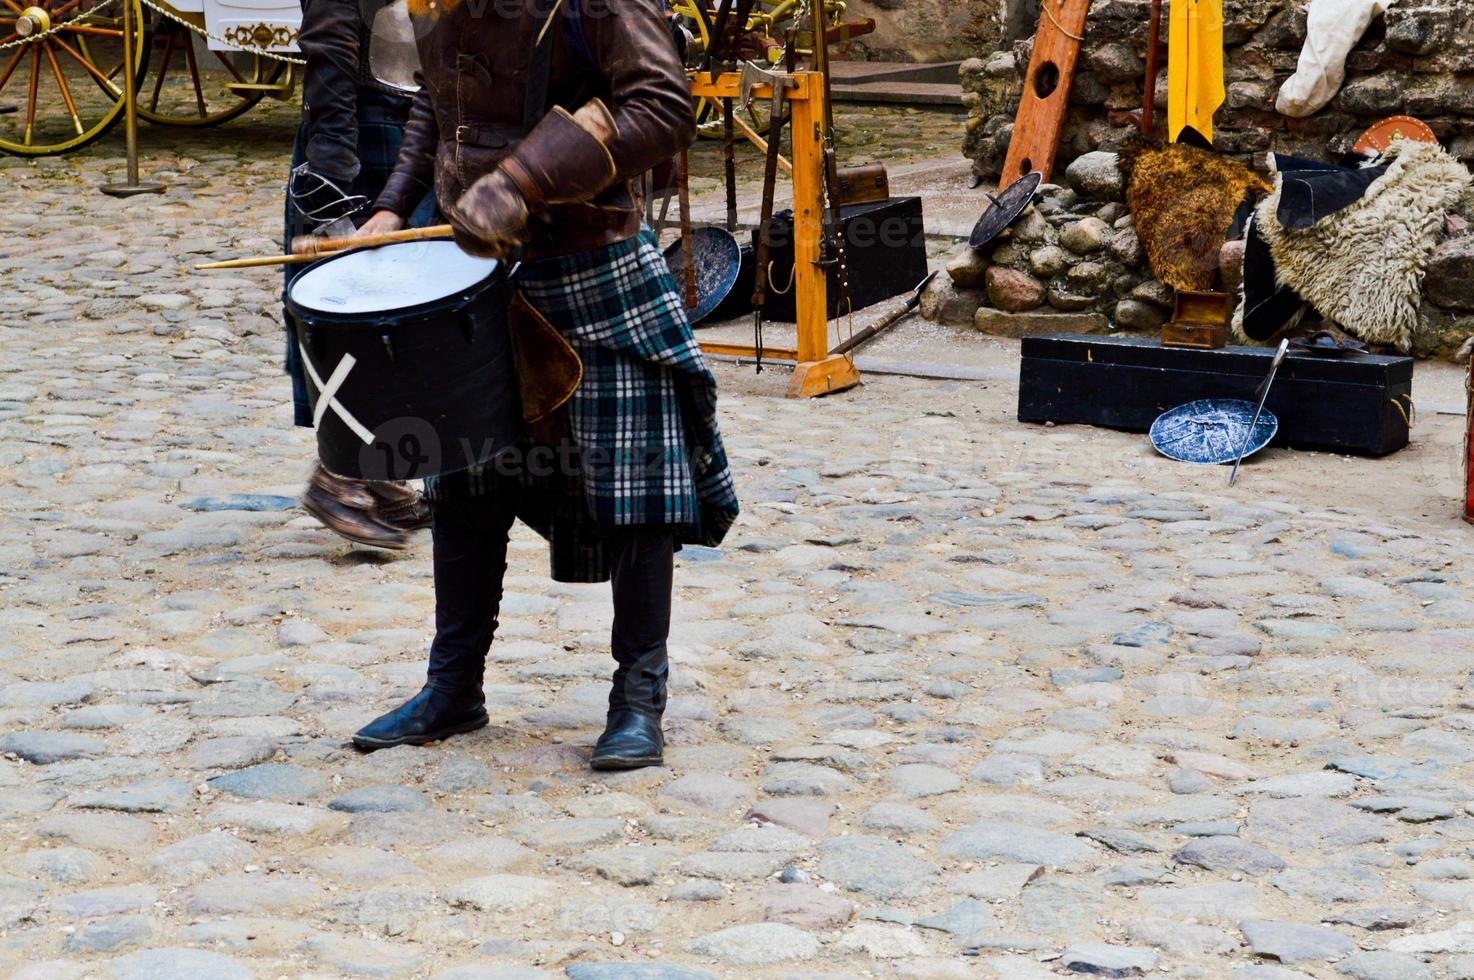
(642, 423)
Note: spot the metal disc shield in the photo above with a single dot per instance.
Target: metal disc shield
(1211, 432)
(1004, 209)
(718, 262)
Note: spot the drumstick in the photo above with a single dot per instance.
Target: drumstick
(264, 260)
(334, 246)
(315, 246)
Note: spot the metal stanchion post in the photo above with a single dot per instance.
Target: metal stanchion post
(130, 113)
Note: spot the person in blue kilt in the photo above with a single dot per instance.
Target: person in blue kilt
(356, 88)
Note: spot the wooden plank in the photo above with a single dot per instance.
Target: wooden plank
(728, 85)
(747, 350)
(824, 377)
(1041, 112)
(810, 280)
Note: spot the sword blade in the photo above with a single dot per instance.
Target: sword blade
(1274, 366)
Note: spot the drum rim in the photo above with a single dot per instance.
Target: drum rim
(452, 304)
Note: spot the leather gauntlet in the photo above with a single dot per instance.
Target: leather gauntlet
(564, 160)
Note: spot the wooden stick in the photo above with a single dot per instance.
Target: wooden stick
(683, 191)
(761, 144)
(1153, 57)
(263, 260)
(314, 245)
(310, 248)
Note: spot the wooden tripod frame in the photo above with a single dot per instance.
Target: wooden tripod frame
(816, 370)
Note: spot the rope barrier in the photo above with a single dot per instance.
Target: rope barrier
(165, 11)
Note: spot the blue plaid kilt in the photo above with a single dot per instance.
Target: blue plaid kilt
(642, 424)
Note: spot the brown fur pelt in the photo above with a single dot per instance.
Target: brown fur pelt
(1183, 200)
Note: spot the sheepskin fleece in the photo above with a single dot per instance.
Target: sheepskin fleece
(1363, 267)
(1183, 201)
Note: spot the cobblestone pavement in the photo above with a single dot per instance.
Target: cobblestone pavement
(958, 698)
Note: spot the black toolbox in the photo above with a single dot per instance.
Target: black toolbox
(885, 249)
(1354, 404)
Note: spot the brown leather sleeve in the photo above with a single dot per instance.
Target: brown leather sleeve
(414, 168)
(329, 42)
(650, 97)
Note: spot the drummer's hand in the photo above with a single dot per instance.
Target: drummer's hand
(380, 223)
(490, 219)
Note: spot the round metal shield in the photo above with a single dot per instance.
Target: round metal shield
(718, 261)
(1380, 136)
(1004, 209)
(1323, 343)
(1211, 432)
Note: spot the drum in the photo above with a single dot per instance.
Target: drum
(408, 360)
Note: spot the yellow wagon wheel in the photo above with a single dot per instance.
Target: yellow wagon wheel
(62, 99)
(190, 85)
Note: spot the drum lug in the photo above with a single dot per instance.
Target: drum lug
(387, 338)
(468, 322)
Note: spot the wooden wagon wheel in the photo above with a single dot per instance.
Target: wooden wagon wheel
(191, 85)
(64, 100)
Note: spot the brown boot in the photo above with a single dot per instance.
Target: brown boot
(349, 508)
(401, 506)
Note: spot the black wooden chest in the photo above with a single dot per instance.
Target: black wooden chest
(1359, 404)
(885, 249)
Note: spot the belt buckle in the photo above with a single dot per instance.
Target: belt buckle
(459, 130)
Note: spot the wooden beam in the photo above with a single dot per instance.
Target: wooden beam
(1041, 111)
(747, 350)
(817, 372)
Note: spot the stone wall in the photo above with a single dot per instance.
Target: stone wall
(1418, 60)
(929, 30)
(1072, 262)
(1072, 254)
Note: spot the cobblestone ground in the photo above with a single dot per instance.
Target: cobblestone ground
(958, 698)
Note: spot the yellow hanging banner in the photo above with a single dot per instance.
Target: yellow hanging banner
(1194, 66)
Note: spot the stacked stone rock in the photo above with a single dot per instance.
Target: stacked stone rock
(1071, 261)
(1416, 60)
(1447, 313)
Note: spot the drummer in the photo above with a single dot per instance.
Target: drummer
(360, 69)
(531, 148)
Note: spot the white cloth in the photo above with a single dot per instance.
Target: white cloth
(1332, 29)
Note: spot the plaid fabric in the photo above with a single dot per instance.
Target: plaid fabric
(642, 423)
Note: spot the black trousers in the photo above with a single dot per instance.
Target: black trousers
(470, 535)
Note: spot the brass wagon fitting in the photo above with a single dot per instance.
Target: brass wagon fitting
(32, 20)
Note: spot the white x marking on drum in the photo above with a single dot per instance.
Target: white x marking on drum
(327, 395)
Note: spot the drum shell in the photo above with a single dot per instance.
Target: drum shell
(433, 387)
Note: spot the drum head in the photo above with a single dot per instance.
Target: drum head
(393, 277)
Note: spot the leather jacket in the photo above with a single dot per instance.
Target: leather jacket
(469, 111)
(335, 45)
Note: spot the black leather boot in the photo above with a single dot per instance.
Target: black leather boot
(642, 563)
(429, 716)
(470, 560)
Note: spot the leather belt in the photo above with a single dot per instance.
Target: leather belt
(490, 137)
